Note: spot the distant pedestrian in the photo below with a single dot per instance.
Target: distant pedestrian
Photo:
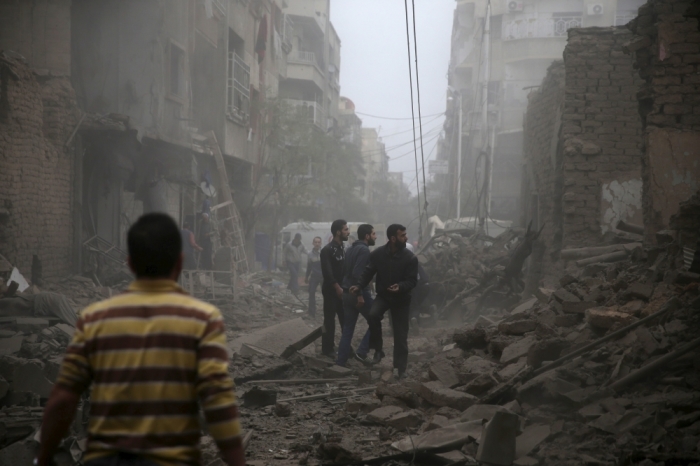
(205, 258)
(292, 258)
(356, 260)
(153, 358)
(314, 275)
(189, 245)
(332, 260)
(396, 269)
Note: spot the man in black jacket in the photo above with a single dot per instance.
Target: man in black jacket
(396, 269)
(332, 261)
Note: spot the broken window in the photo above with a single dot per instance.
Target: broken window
(177, 71)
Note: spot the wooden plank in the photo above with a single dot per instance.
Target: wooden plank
(303, 343)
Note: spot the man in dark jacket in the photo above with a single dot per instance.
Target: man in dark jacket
(396, 269)
(332, 260)
(356, 259)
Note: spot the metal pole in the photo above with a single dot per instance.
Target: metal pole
(485, 112)
(459, 160)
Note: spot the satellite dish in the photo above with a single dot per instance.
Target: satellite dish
(208, 189)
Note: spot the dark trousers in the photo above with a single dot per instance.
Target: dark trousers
(314, 281)
(350, 315)
(293, 276)
(399, 308)
(205, 262)
(121, 459)
(332, 307)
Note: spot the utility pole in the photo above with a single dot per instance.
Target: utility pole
(485, 209)
(459, 158)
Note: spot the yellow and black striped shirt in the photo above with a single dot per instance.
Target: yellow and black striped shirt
(151, 354)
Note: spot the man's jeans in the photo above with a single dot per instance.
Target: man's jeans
(121, 459)
(314, 281)
(332, 307)
(399, 308)
(293, 276)
(350, 314)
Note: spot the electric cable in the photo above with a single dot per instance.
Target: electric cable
(420, 123)
(413, 115)
(392, 118)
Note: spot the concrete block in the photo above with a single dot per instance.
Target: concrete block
(443, 371)
(516, 350)
(336, 372)
(383, 414)
(607, 317)
(497, 445)
(437, 394)
(518, 327)
(405, 420)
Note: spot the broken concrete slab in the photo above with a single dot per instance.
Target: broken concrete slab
(543, 388)
(516, 350)
(449, 437)
(405, 420)
(443, 371)
(19, 453)
(277, 338)
(11, 345)
(562, 295)
(437, 394)
(28, 376)
(437, 422)
(511, 369)
(648, 342)
(531, 437)
(337, 372)
(252, 350)
(4, 387)
(524, 307)
(606, 317)
(578, 307)
(517, 327)
(567, 320)
(497, 444)
(639, 290)
(404, 392)
(476, 412)
(362, 405)
(383, 414)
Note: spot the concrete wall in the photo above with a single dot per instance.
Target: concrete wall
(601, 136)
(36, 171)
(39, 30)
(122, 59)
(667, 53)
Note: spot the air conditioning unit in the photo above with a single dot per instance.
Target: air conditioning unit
(595, 9)
(515, 6)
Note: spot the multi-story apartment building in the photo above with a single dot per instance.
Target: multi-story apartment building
(313, 63)
(375, 163)
(146, 82)
(525, 37)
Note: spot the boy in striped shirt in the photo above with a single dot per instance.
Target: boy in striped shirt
(151, 355)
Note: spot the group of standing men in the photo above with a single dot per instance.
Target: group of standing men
(346, 278)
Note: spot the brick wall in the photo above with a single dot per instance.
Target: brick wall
(542, 182)
(666, 48)
(36, 171)
(601, 136)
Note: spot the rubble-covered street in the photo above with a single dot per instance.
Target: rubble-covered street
(548, 186)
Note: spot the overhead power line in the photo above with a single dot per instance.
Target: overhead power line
(420, 123)
(413, 115)
(393, 118)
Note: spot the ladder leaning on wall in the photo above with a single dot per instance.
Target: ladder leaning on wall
(232, 233)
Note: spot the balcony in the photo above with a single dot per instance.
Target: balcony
(312, 110)
(526, 28)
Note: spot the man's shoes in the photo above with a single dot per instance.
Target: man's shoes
(402, 375)
(378, 355)
(363, 359)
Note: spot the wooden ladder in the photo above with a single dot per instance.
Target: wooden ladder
(232, 232)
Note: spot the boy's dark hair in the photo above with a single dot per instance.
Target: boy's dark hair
(393, 229)
(337, 225)
(154, 245)
(364, 230)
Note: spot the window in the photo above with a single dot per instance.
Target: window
(177, 71)
(238, 88)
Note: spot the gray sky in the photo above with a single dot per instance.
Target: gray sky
(374, 70)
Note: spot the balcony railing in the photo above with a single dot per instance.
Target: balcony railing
(311, 110)
(301, 56)
(540, 27)
(622, 18)
(238, 88)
